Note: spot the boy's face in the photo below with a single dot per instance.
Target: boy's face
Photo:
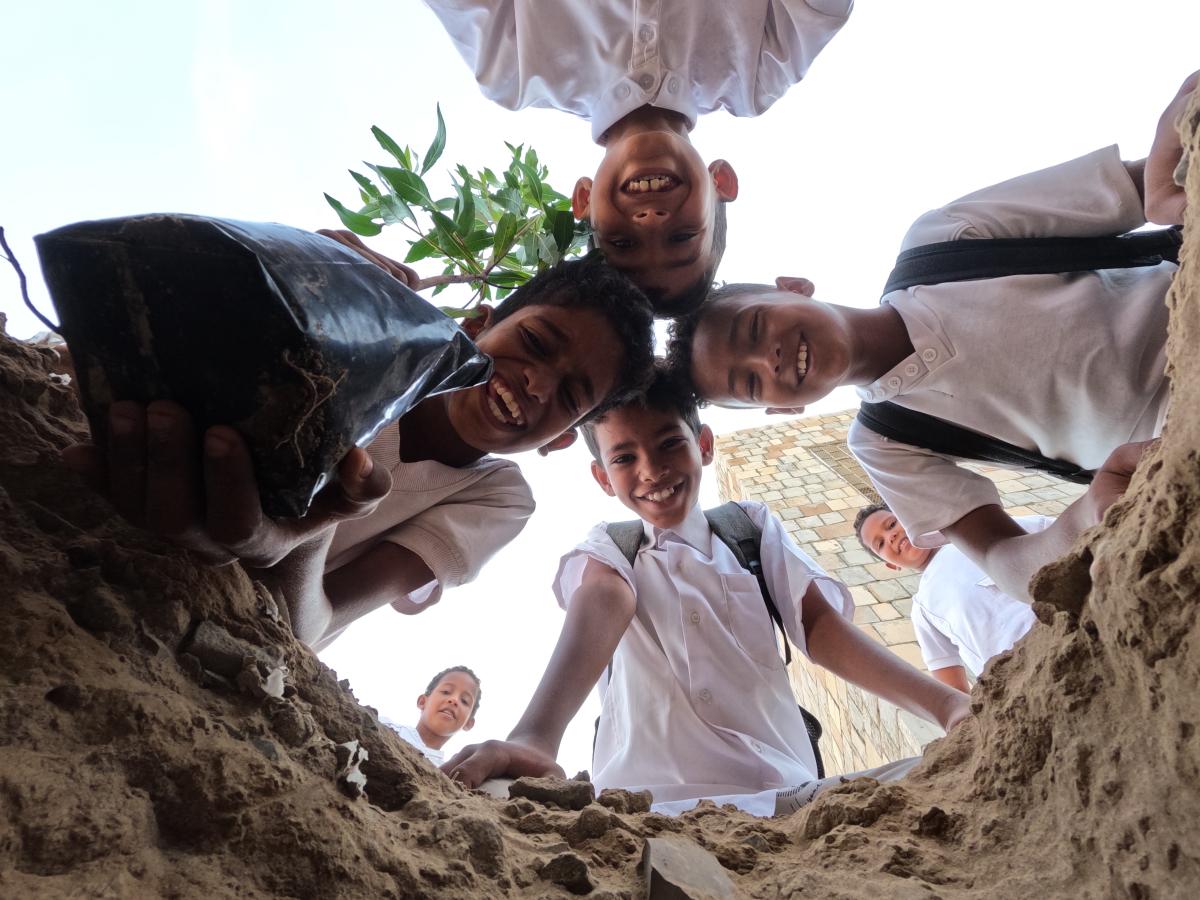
(883, 533)
(553, 364)
(776, 348)
(652, 462)
(450, 706)
(651, 207)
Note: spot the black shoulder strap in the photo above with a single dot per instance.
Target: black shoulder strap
(628, 536)
(967, 260)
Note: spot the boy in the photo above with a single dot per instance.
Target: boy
(449, 705)
(1069, 365)
(697, 702)
(642, 73)
(958, 613)
(424, 506)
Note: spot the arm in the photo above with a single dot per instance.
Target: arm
(955, 676)
(840, 647)
(597, 616)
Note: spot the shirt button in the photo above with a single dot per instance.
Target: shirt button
(646, 81)
(622, 91)
(705, 695)
(673, 84)
(757, 746)
(911, 369)
(893, 382)
(646, 34)
(929, 354)
(695, 617)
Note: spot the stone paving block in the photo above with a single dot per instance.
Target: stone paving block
(854, 575)
(899, 631)
(884, 612)
(887, 590)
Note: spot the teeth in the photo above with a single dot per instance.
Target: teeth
(654, 183)
(802, 360)
(511, 402)
(661, 495)
(496, 411)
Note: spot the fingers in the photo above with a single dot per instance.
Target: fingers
(349, 239)
(359, 487)
(1126, 458)
(127, 460)
(233, 510)
(171, 487)
(475, 764)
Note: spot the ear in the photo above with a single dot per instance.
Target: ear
(470, 724)
(602, 479)
(476, 323)
(707, 444)
(725, 180)
(421, 702)
(562, 442)
(801, 286)
(581, 199)
(784, 410)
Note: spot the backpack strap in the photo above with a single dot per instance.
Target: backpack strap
(971, 259)
(628, 536)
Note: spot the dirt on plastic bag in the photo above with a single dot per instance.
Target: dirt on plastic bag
(297, 342)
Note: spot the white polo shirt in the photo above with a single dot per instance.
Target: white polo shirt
(602, 59)
(412, 736)
(1072, 365)
(699, 703)
(959, 615)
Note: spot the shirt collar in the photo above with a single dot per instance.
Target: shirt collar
(931, 349)
(694, 531)
(649, 86)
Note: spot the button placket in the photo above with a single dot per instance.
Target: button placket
(705, 695)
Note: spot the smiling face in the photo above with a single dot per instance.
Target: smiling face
(770, 347)
(652, 462)
(553, 365)
(652, 207)
(885, 536)
(450, 706)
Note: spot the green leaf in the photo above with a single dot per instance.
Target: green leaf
(406, 183)
(422, 249)
(367, 185)
(465, 220)
(506, 232)
(547, 252)
(478, 241)
(445, 204)
(509, 278)
(356, 222)
(391, 147)
(455, 312)
(434, 153)
(531, 158)
(394, 210)
(533, 183)
(516, 151)
(561, 224)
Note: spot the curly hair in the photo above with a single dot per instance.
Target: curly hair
(442, 674)
(591, 283)
(860, 519)
(666, 392)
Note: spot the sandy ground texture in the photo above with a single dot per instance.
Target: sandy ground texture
(162, 734)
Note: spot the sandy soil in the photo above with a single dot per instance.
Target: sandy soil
(153, 745)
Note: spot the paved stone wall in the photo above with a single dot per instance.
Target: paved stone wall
(803, 471)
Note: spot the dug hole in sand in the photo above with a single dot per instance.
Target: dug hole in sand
(163, 735)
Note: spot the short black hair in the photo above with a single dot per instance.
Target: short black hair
(860, 519)
(682, 331)
(591, 283)
(666, 392)
(442, 674)
(694, 294)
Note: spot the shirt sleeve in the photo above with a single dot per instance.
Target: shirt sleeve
(938, 651)
(485, 34)
(927, 491)
(795, 32)
(598, 546)
(1091, 196)
(457, 536)
(790, 572)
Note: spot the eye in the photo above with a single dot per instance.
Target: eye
(534, 342)
(621, 460)
(754, 326)
(752, 387)
(671, 443)
(682, 237)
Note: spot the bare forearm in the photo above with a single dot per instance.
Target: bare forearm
(299, 579)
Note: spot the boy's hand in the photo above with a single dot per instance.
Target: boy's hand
(475, 764)
(1112, 479)
(150, 472)
(1165, 200)
(397, 270)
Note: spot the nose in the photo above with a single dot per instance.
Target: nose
(540, 383)
(776, 358)
(650, 216)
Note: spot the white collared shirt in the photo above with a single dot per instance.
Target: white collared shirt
(699, 703)
(1071, 365)
(959, 615)
(412, 736)
(602, 59)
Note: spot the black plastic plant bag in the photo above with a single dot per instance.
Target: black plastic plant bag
(299, 343)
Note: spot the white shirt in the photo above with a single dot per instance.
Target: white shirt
(1072, 365)
(452, 518)
(602, 59)
(699, 703)
(961, 617)
(412, 736)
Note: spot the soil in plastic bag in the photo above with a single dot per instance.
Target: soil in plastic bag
(303, 346)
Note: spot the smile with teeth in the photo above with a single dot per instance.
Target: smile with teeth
(650, 184)
(508, 398)
(661, 494)
(802, 360)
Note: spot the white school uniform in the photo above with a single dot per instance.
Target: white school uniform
(453, 518)
(1071, 365)
(959, 615)
(699, 703)
(412, 736)
(602, 59)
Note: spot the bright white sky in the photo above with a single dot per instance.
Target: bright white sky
(252, 110)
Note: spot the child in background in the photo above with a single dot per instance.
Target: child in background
(697, 702)
(642, 74)
(424, 506)
(961, 619)
(448, 706)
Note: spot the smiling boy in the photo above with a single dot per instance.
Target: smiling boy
(448, 706)
(1071, 366)
(696, 702)
(424, 506)
(642, 74)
